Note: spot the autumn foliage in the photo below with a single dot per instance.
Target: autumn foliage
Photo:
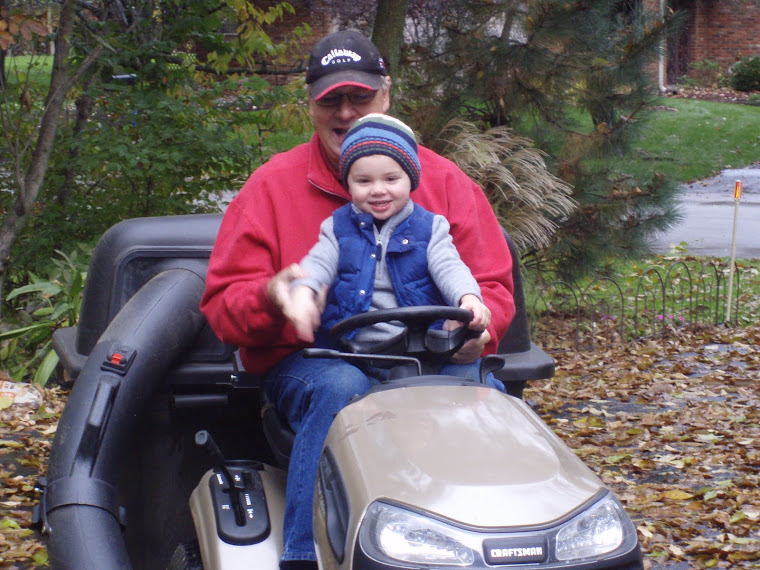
(20, 25)
(671, 424)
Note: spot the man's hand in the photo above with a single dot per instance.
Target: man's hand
(472, 349)
(481, 315)
(280, 293)
(278, 287)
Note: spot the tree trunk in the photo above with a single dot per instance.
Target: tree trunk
(388, 33)
(2, 67)
(2, 52)
(85, 104)
(31, 182)
(502, 80)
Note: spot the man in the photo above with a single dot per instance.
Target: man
(271, 225)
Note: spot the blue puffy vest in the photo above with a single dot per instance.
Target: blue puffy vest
(406, 256)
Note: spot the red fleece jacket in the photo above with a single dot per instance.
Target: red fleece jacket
(275, 218)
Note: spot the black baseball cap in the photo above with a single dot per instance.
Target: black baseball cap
(343, 58)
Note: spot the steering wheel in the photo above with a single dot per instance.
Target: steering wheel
(417, 339)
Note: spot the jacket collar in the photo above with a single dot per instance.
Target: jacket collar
(321, 173)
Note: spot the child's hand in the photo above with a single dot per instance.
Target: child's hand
(481, 313)
(304, 312)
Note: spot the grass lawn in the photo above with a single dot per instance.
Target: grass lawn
(685, 139)
(690, 139)
(697, 139)
(33, 70)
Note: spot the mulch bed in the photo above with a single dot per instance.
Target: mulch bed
(716, 94)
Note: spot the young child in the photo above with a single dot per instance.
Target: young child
(381, 251)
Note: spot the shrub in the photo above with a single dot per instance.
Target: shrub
(705, 73)
(745, 74)
(40, 308)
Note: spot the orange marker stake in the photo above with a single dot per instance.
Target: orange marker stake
(737, 199)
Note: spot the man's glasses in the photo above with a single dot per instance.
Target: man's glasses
(354, 98)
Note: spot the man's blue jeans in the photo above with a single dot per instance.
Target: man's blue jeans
(308, 392)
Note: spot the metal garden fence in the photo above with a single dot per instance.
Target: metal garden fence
(659, 302)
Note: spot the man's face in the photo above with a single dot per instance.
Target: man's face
(335, 112)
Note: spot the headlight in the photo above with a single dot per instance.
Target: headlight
(402, 538)
(592, 533)
(392, 535)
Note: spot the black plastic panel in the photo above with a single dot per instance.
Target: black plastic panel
(256, 525)
(131, 253)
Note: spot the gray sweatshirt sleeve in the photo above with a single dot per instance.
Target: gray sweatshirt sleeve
(452, 277)
(321, 263)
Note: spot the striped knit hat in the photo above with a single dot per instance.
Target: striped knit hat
(380, 134)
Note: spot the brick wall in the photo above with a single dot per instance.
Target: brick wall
(722, 31)
(725, 32)
(306, 11)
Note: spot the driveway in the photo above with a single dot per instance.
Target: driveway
(708, 208)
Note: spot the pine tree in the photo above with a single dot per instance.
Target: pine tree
(537, 67)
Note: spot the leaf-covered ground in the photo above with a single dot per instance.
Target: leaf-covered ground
(671, 425)
(26, 435)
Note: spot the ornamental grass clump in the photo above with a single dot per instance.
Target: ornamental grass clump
(528, 200)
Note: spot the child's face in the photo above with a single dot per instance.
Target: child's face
(378, 186)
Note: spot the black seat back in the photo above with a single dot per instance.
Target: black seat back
(524, 360)
(517, 337)
(129, 255)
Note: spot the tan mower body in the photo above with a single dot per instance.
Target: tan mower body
(463, 453)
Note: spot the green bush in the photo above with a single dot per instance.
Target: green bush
(704, 73)
(745, 74)
(40, 308)
(151, 152)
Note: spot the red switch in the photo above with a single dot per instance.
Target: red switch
(119, 360)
